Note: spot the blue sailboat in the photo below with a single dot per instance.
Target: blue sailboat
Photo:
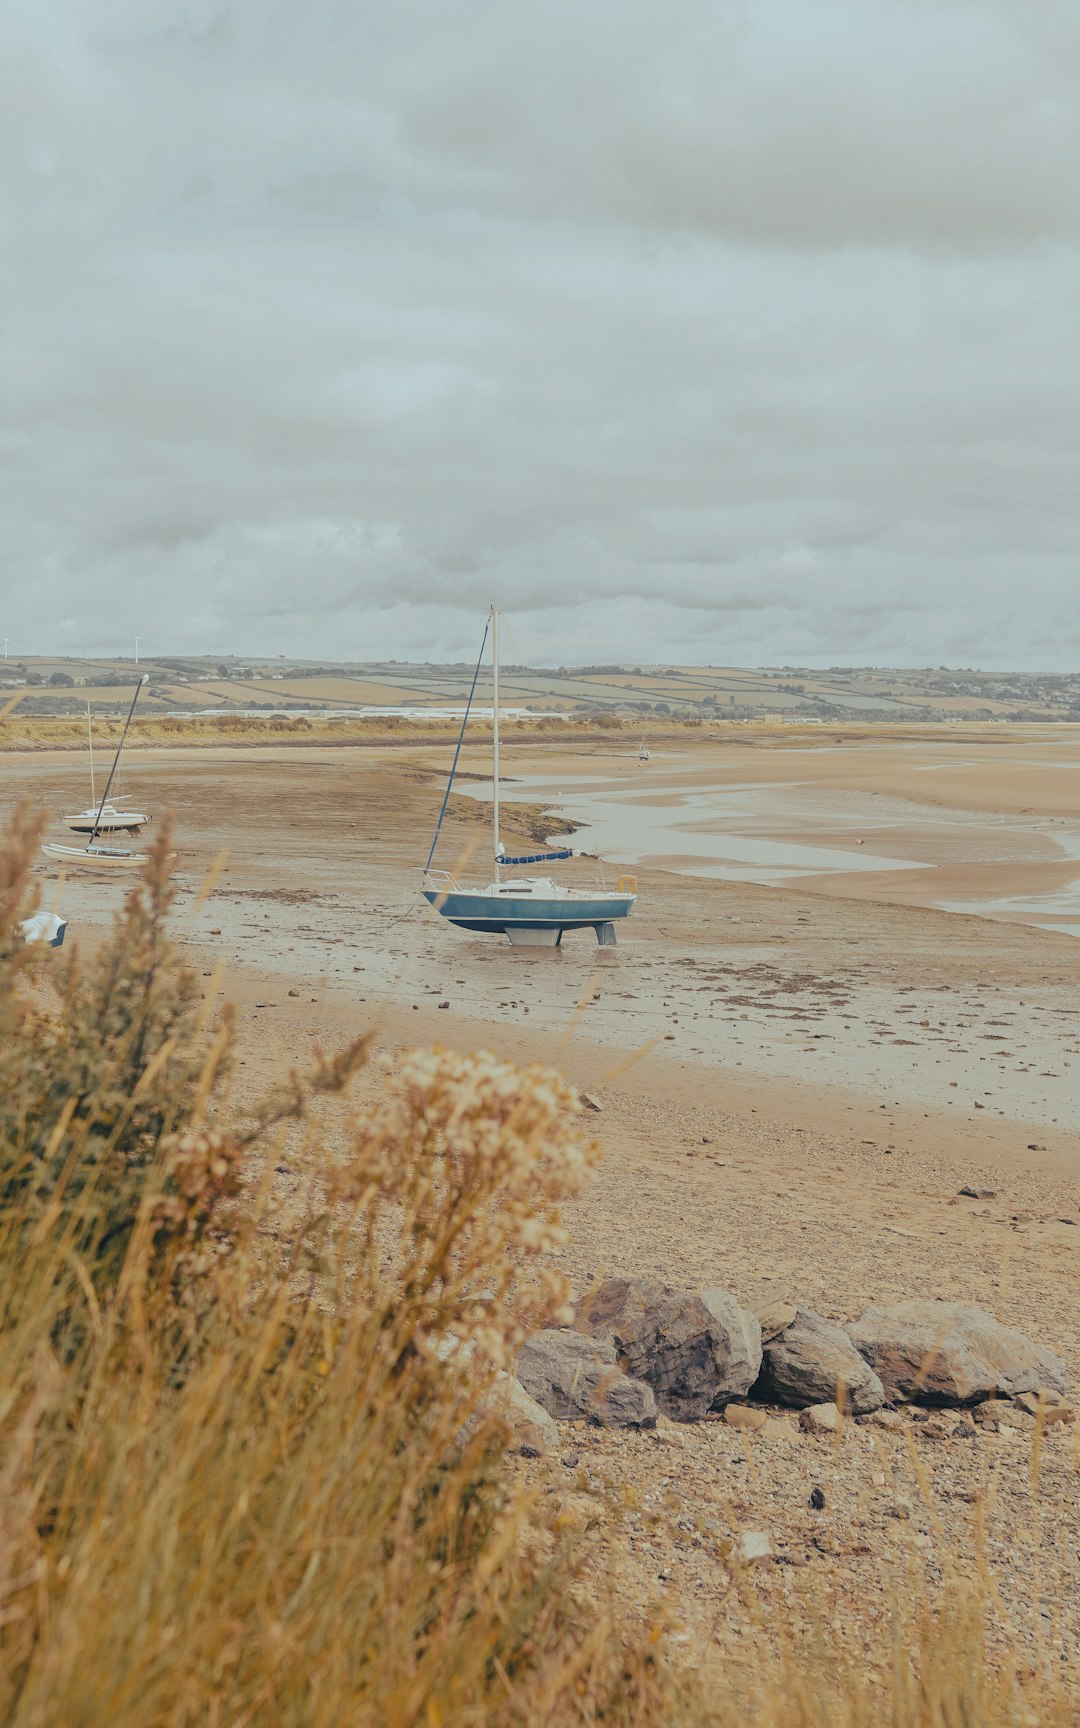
(532, 911)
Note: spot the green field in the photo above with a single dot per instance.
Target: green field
(188, 687)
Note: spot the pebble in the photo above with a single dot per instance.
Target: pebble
(820, 1419)
(747, 1421)
(890, 1419)
(754, 1545)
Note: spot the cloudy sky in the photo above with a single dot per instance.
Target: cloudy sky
(725, 330)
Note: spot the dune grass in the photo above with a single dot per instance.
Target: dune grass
(250, 1473)
(26, 731)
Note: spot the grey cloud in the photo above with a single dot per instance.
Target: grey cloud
(749, 328)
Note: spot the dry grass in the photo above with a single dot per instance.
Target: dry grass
(24, 731)
(252, 1481)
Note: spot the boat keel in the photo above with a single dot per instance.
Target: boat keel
(522, 937)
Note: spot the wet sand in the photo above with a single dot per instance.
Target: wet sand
(849, 984)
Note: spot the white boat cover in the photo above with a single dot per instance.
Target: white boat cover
(44, 927)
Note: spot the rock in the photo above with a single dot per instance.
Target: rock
(820, 1419)
(740, 1334)
(810, 1360)
(753, 1545)
(977, 1193)
(817, 1499)
(1047, 1407)
(1042, 1402)
(890, 1419)
(773, 1316)
(746, 1420)
(529, 1424)
(588, 1102)
(572, 1376)
(898, 1508)
(991, 1410)
(1008, 1415)
(932, 1431)
(696, 1349)
(948, 1353)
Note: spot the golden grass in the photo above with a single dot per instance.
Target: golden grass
(249, 1473)
(24, 731)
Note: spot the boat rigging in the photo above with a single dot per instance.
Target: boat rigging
(530, 911)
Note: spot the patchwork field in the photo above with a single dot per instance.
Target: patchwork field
(706, 692)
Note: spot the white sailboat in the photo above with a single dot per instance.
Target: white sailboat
(643, 753)
(103, 818)
(96, 855)
(533, 911)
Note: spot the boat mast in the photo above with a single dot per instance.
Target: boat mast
(145, 679)
(495, 733)
(90, 741)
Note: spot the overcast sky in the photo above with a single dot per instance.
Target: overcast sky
(724, 330)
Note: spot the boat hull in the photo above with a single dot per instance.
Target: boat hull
(119, 823)
(95, 858)
(489, 914)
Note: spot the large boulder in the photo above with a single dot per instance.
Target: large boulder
(573, 1376)
(810, 1360)
(528, 1422)
(946, 1353)
(696, 1349)
(737, 1340)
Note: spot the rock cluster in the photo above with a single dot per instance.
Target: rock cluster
(638, 1347)
(696, 1349)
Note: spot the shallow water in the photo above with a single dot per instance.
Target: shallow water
(743, 834)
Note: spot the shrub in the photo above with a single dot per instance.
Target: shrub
(242, 1484)
(247, 1473)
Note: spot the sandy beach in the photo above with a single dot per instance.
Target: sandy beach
(801, 1060)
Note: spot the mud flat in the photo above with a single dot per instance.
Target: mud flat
(798, 1075)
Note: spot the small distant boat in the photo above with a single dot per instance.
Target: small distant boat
(104, 857)
(643, 753)
(533, 911)
(103, 818)
(106, 819)
(95, 855)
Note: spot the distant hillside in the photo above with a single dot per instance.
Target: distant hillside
(180, 686)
